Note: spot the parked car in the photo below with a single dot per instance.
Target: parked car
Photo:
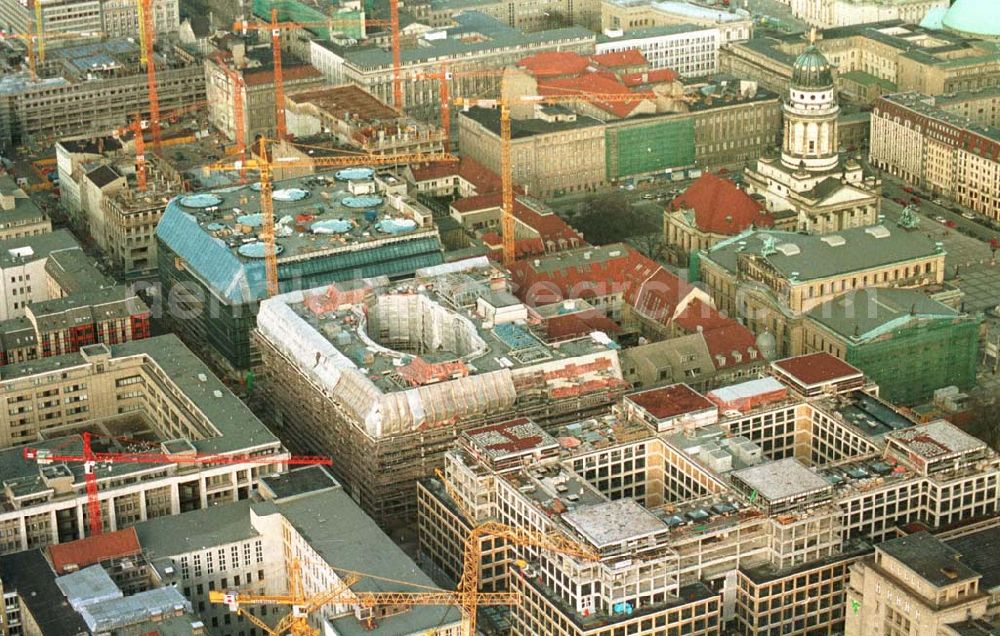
(940, 219)
(648, 195)
(969, 215)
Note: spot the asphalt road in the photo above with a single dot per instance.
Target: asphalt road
(893, 189)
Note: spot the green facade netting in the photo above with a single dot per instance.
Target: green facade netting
(909, 364)
(643, 148)
(348, 23)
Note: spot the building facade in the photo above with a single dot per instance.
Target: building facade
(772, 279)
(835, 13)
(688, 50)
(153, 385)
(950, 149)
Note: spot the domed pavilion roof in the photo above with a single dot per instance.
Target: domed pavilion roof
(811, 70)
(974, 18)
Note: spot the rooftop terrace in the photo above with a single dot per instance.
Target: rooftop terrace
(218, 232)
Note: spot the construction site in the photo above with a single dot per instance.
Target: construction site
(93, 87)
(152, 411)
(692, 503)
(383, 375)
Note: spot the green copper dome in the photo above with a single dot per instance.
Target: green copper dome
(811, 70)
(976, 18)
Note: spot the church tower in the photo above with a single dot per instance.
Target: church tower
(810, 115)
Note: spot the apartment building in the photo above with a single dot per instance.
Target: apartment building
(79, 100)
(707, 502)
(949, 148)
(901, 56)
(153, 389)
(772, 278)
(689, 50)
(526, 15)
(111, 315)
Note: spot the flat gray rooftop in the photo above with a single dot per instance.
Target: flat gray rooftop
(930, 558)
(783, 479)
(612, 522)
(196, 530)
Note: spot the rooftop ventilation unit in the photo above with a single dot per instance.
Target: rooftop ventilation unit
(878, 231)
(789, 249)
(834, 240)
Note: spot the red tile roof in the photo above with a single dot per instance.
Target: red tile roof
(700, 314)
(86, 552)
(671, 401)
(730, 339)
(630, 57)
(549, 227)
(720, 207)
(579, 324)
(658, 76)
(817, 368)
(592, 83)
(652, 291)
(550, 63)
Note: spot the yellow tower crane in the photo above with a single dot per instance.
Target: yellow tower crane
(302, 605)
(264, 163)
(468, 585)
(507, 225)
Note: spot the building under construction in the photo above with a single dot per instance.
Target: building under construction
(744, 504)
(328, 228)
(382, 376)
(92, 87)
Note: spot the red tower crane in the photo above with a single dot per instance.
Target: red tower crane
(90, 459)
(147, 32)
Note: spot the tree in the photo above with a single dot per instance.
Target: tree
(610, 218)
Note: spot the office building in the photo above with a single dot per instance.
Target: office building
(706, 502)
(687, 49)
(80, 100)
(329, 228)
(925, 584)
(154, 390)
(631, 14)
